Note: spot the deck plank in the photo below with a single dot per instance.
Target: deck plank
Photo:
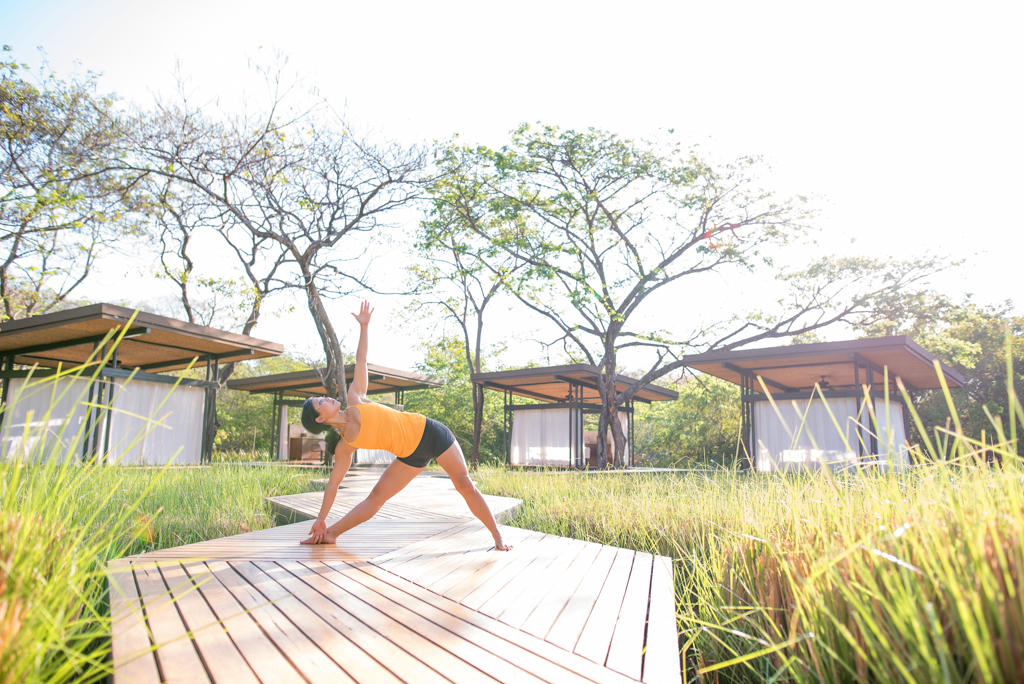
(477, 542)
(467, 662)
(597, 633)
(301, 651)
(134, 660)
(365, 626)
(473, 573)
(523, 648)
(415, 549)
(567, 628)
(542, 584)
(523, 557)
(259, 651)
(554, 602)
(547, 551)
(440, 550)
(176, 654)
(661, 650)
(625, 654)
(220, 655)
(369, 540)
(335, 643)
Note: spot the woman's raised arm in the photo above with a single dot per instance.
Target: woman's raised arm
(361, 378)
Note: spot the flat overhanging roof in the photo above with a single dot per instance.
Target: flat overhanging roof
(798, 367)
(552, 384)
(307, 383)
(152, 343)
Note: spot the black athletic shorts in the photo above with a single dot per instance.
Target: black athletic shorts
(435, 441)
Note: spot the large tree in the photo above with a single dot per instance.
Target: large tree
(608, 227)
(289, 193)
(461, 272)
(61, 186)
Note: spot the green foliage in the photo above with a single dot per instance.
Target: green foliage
(452, 404)
(244, 419)
(60, 200)
(975, 341)
(701, 427)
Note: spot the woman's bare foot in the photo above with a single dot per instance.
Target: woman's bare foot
(500, 545)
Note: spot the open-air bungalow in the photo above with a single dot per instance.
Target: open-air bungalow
(834, 403)
(112, 413)
(551, 432)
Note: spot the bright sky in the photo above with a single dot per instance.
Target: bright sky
(906, 118)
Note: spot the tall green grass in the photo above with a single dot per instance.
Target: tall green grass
(57, 531)
(823, 577)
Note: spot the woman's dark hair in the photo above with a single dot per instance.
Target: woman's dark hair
(309, 416)
(331, 439)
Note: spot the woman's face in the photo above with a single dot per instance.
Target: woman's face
(325, 408)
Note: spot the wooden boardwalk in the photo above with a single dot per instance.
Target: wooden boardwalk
(417, 594)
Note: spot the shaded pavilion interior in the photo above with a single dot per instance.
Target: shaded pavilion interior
(849, 369)
(572, 388)
(81, 339)
(290, 390)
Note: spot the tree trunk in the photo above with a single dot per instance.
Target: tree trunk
(334, 375)
(617, 435)
(478, 424)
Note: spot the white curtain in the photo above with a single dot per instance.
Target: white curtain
(801, 433)
(283, 433)
(374, 456)
(892, 434)
(152, 423)
(167, 424)
(44, 417)
(541, 437)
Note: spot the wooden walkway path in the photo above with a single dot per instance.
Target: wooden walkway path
(417, 594)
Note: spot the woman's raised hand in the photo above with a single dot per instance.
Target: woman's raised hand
(363, 317)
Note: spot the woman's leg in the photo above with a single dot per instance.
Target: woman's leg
(392, 480)
(454, 463)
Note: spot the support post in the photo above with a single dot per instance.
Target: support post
(274, 450)
(110, 412)
(873, 429)
(860, 411)
(87, 433)
(630, 443)
(8, 365)
(505, 444)
(751, 463)
(209, 416)
(283, 434)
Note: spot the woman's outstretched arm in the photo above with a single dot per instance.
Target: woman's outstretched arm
(361, 377)
(342, 460)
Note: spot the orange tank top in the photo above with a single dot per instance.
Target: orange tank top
(385, 428)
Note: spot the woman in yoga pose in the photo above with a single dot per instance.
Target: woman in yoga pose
(413, 438)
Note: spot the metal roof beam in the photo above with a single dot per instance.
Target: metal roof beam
(867, 363)
(177, 362)
(798, 365)
(744, 371)
(593, 386)
(535, 395)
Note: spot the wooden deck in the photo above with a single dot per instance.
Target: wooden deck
(417, 594)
